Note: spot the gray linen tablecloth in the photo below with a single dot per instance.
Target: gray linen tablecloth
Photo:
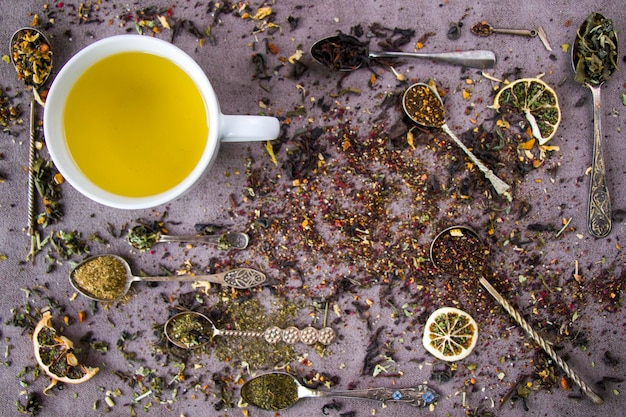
(305, 213)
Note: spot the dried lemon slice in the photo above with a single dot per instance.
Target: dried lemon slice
(537, 101)
(55, 355)
(450, 334)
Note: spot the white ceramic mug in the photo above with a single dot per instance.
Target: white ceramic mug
(223, 128)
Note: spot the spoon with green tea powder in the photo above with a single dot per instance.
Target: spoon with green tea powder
(458, 250)
(594, 58)
(424, 106)
(108, 278)
(32, 58)
(190, 330)
(276, 391)
(144, 237)
(346, 53)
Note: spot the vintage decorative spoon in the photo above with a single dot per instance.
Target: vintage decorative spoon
(278, 390)
(594, 58)
(458, 250)
(143, 237)
(108, 278)
(423, 105)
(346, 53)
(32, 58)
(190, 330)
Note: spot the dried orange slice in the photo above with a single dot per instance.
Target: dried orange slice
(537, 101)
(450, 334)
(55, 355)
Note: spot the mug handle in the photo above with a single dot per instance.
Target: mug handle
(243, 128)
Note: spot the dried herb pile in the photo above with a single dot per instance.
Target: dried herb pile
(595, 51)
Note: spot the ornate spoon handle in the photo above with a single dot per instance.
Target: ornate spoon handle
(419, 396)
(308, 335)
(241, 278)
(230, 240)
(500, 186)
(599, 216)
(541, 342)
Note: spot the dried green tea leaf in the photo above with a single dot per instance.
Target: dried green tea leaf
(595, 50)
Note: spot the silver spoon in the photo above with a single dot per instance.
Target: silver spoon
(190, 330)
(423, 105)
(599, 207)
(108, 278)
(445, 256)
(278, 390)
(144, 237)
(27, 45)
(346, 53)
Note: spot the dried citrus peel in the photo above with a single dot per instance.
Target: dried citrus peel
(537, 101)
(55, 355)
(450, 334)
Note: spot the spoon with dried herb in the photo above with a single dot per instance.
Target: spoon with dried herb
(346, 53)
(594, 58)
(276, 391)
(32, 58)
(144, 237)
(190, 330)
(459, 251)
(108, 278)
(424, 106)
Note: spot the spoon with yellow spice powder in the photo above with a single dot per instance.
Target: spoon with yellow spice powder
(108, 278)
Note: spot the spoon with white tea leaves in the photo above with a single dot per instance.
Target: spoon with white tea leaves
(144, 237)
(32, 58)
(276, 391)
(190, 330)
(108, 278)
(346, 53)
(423, 105)
(459, 251)
(594, 58)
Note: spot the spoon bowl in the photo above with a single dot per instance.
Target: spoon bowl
(424, 106)
(346, 53)
(458, 250)
(32, 58)
(276, 391)
(190, 330)
(109, 277)
(597, 44)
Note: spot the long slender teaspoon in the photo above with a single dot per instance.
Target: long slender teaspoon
(32, 58)
(594, 57)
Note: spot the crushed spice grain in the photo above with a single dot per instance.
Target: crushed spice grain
(102, 277)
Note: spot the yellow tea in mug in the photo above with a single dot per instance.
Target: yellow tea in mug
(135, 124)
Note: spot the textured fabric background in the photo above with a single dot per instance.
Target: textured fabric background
(558, 194)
